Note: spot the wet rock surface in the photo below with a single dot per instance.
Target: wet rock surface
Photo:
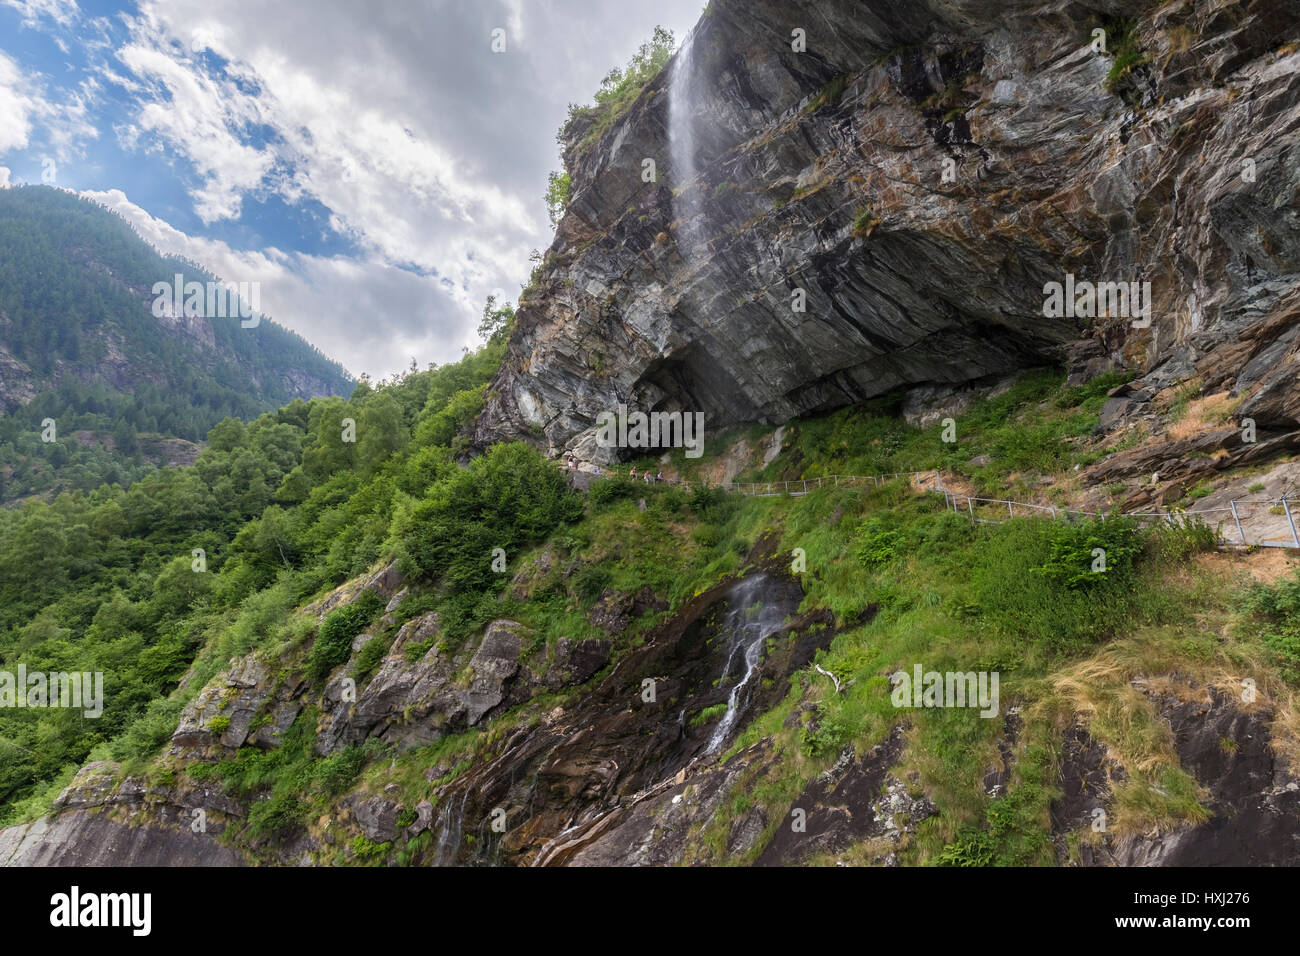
(1253, 796)
(856, 800)
(677, 294)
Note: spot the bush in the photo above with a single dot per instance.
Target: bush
(335, 774)
(875, 543)
(591, 582)
(370, 657)
(1278, 605)
(509, 498)
(1075, 560)
(604, 491)
(341, 626)
(274, 817)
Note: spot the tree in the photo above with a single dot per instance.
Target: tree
(558, 190)
(497, 322)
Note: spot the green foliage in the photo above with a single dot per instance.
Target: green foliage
(1126, 53)
(875, 543)
(609, 490)
(558, 190)
(106, 580)
(62, 310)
(1277, 607)
(219, 723)
(509, 498)
(618, 90)
(1085, 553)
(498, 320)
(1015, 831)
(708, 714)
(370, 657)
(865, 222)
(341, 626)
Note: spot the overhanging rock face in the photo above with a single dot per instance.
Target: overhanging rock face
(885, 209)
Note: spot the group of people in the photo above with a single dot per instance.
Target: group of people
(646, 477)
(573, 464)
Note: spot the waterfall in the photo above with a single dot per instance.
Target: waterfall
(449, 822)
(681, 147)
(749, 623)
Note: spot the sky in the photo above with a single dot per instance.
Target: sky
(376, 167)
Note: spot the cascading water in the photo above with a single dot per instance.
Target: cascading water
(748, 624)
(681, 147)
(450, 823)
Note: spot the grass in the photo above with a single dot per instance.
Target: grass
(864, 223)
(907, 583)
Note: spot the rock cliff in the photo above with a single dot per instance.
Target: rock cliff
(885, 208)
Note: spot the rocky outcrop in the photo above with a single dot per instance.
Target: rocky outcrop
(101, 821)
(913, 180)
(1252, 795)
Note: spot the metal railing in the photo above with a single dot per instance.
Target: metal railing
(1239, 513)
(1240, 517)
(801, 486)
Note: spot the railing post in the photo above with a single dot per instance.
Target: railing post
(1010, 512)
(970, 506)
(1235, 517)
(1289, 520)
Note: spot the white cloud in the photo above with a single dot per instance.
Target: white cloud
(62, 12)
(200, 117)
(4, 177)
(16, 107)
(371, 316)
(415, 140)
(61, 124)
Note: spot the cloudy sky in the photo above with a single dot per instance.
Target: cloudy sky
(376, 166)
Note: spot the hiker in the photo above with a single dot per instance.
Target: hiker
(572, 464)
(647, 476)
(634, 472)
(660, 476)
(597, 469)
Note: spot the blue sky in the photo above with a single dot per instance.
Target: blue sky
(377, 168)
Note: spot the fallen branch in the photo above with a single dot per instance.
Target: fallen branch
(822, 670)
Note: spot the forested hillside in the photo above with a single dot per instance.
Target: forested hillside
(111, 581)
(80, 344)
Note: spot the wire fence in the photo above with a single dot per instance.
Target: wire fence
(1242, 522)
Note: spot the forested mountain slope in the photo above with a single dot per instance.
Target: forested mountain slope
(80, 344)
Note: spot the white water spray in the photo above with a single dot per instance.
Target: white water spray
(681, 147)
(749, 622)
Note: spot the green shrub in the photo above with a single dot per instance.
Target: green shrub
(371, 656)
(707, 535)
(274, 817)
(1277, 606)
(219, 723)
(592, 581)
(509, 498)
(1086, 552)
(336, 773)
(604, 491)
(875, 543)
(708, 714)
(341, 626)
